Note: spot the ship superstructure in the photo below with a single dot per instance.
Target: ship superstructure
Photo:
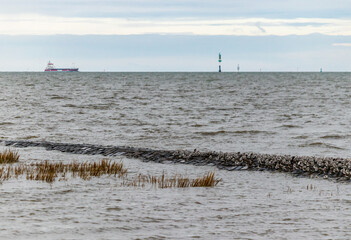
(51, 68)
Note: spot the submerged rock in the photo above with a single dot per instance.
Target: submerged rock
(337, 168)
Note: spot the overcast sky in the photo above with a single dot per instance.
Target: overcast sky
(176, 35)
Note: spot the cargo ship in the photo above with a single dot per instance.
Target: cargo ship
(51, 68)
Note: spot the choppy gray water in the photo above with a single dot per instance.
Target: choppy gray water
(294, 113)
(283, 113)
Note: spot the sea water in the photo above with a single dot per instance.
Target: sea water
(281, 113)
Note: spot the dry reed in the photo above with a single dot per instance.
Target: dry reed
(177, 181)
(47, 171)
(9, 156)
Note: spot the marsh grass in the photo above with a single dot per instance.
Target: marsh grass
(9, 156)
(177, 181)
(49, 172)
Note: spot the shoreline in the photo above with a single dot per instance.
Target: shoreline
(307, 166)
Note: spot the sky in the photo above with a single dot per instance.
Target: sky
(176, 35)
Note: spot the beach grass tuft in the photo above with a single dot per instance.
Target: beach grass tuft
(49, 172)
(176, 181)
(9, 156)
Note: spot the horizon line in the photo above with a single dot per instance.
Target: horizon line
(95, 71)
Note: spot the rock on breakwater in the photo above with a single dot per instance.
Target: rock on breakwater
(338, 168)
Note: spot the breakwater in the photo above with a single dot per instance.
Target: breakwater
(325, 167)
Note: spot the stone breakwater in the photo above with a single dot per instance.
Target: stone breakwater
(328, 167)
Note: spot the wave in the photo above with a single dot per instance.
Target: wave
(335, 136)
(301, 137)
(90, 106)
(212, 133)
(56, 97)
(253, 132)
(198, 125)
(30, 137)
(223, 108)
(239, 132)
(290, 126)
(6, 123)
(322, 145)
(71, 105)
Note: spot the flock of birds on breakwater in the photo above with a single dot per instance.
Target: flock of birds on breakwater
(325, 167)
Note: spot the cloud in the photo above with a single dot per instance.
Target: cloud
(50, 25)
(179, 8)
(341, 44)
(258, 25)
